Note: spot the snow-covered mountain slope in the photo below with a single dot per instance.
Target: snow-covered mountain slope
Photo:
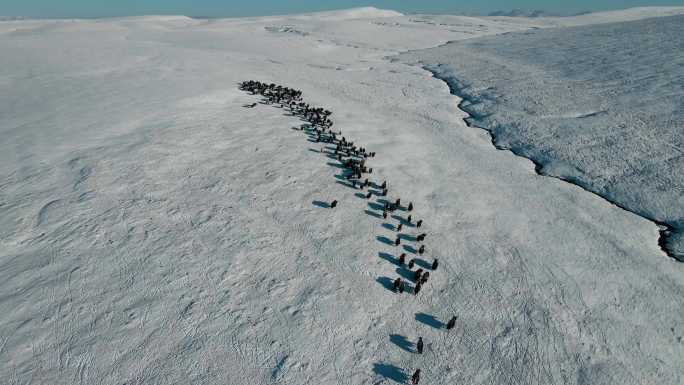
(600, 106)
(352, 13)
(155, 231)
(595, 18)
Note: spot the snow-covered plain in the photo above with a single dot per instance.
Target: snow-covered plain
(154, 231)
(601, 106)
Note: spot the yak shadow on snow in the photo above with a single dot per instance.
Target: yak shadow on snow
(386, 282)
(401, 342)
(322, 204)
(388, 226)
(375, 206)
(406, 273)
(385, 240)
(402, 221)
(360, 195)
(406, 237)
(373, 214)
(422, 263)
(410, 249)
(338, 165)
(428, 320)
(390, 372)
(345, 184)
(389, 258)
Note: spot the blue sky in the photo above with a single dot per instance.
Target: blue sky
(235, 8)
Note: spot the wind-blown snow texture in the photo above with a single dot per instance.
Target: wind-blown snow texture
(601, 106)
(154, 231)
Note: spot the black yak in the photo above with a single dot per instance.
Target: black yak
(452, 322)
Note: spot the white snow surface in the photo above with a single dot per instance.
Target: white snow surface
(154, 231)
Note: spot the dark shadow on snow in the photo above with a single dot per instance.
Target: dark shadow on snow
(373, 214)
(322, 204)
(401, 342)
(410, 249)
(375, 206)
(385, 240)
(428, 320)
(386, 282)
(389, 258)
(345, 184)
(388, 226)
(390, 372)
(422, 263)
(406, 237)
(402, 220)
(406, 273)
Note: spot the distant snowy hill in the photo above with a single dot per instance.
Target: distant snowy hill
(521, 13)
(356, 13)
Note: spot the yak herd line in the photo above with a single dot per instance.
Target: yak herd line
(352, 158)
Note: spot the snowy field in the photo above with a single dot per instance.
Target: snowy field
(601, 106)
(155, 231)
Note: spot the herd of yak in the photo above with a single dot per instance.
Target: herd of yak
(352, 159)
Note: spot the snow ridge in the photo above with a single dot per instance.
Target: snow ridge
(469, 100)
(599, 106)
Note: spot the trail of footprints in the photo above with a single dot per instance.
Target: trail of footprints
(352, 159)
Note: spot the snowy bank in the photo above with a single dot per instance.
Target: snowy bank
(599, 106)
